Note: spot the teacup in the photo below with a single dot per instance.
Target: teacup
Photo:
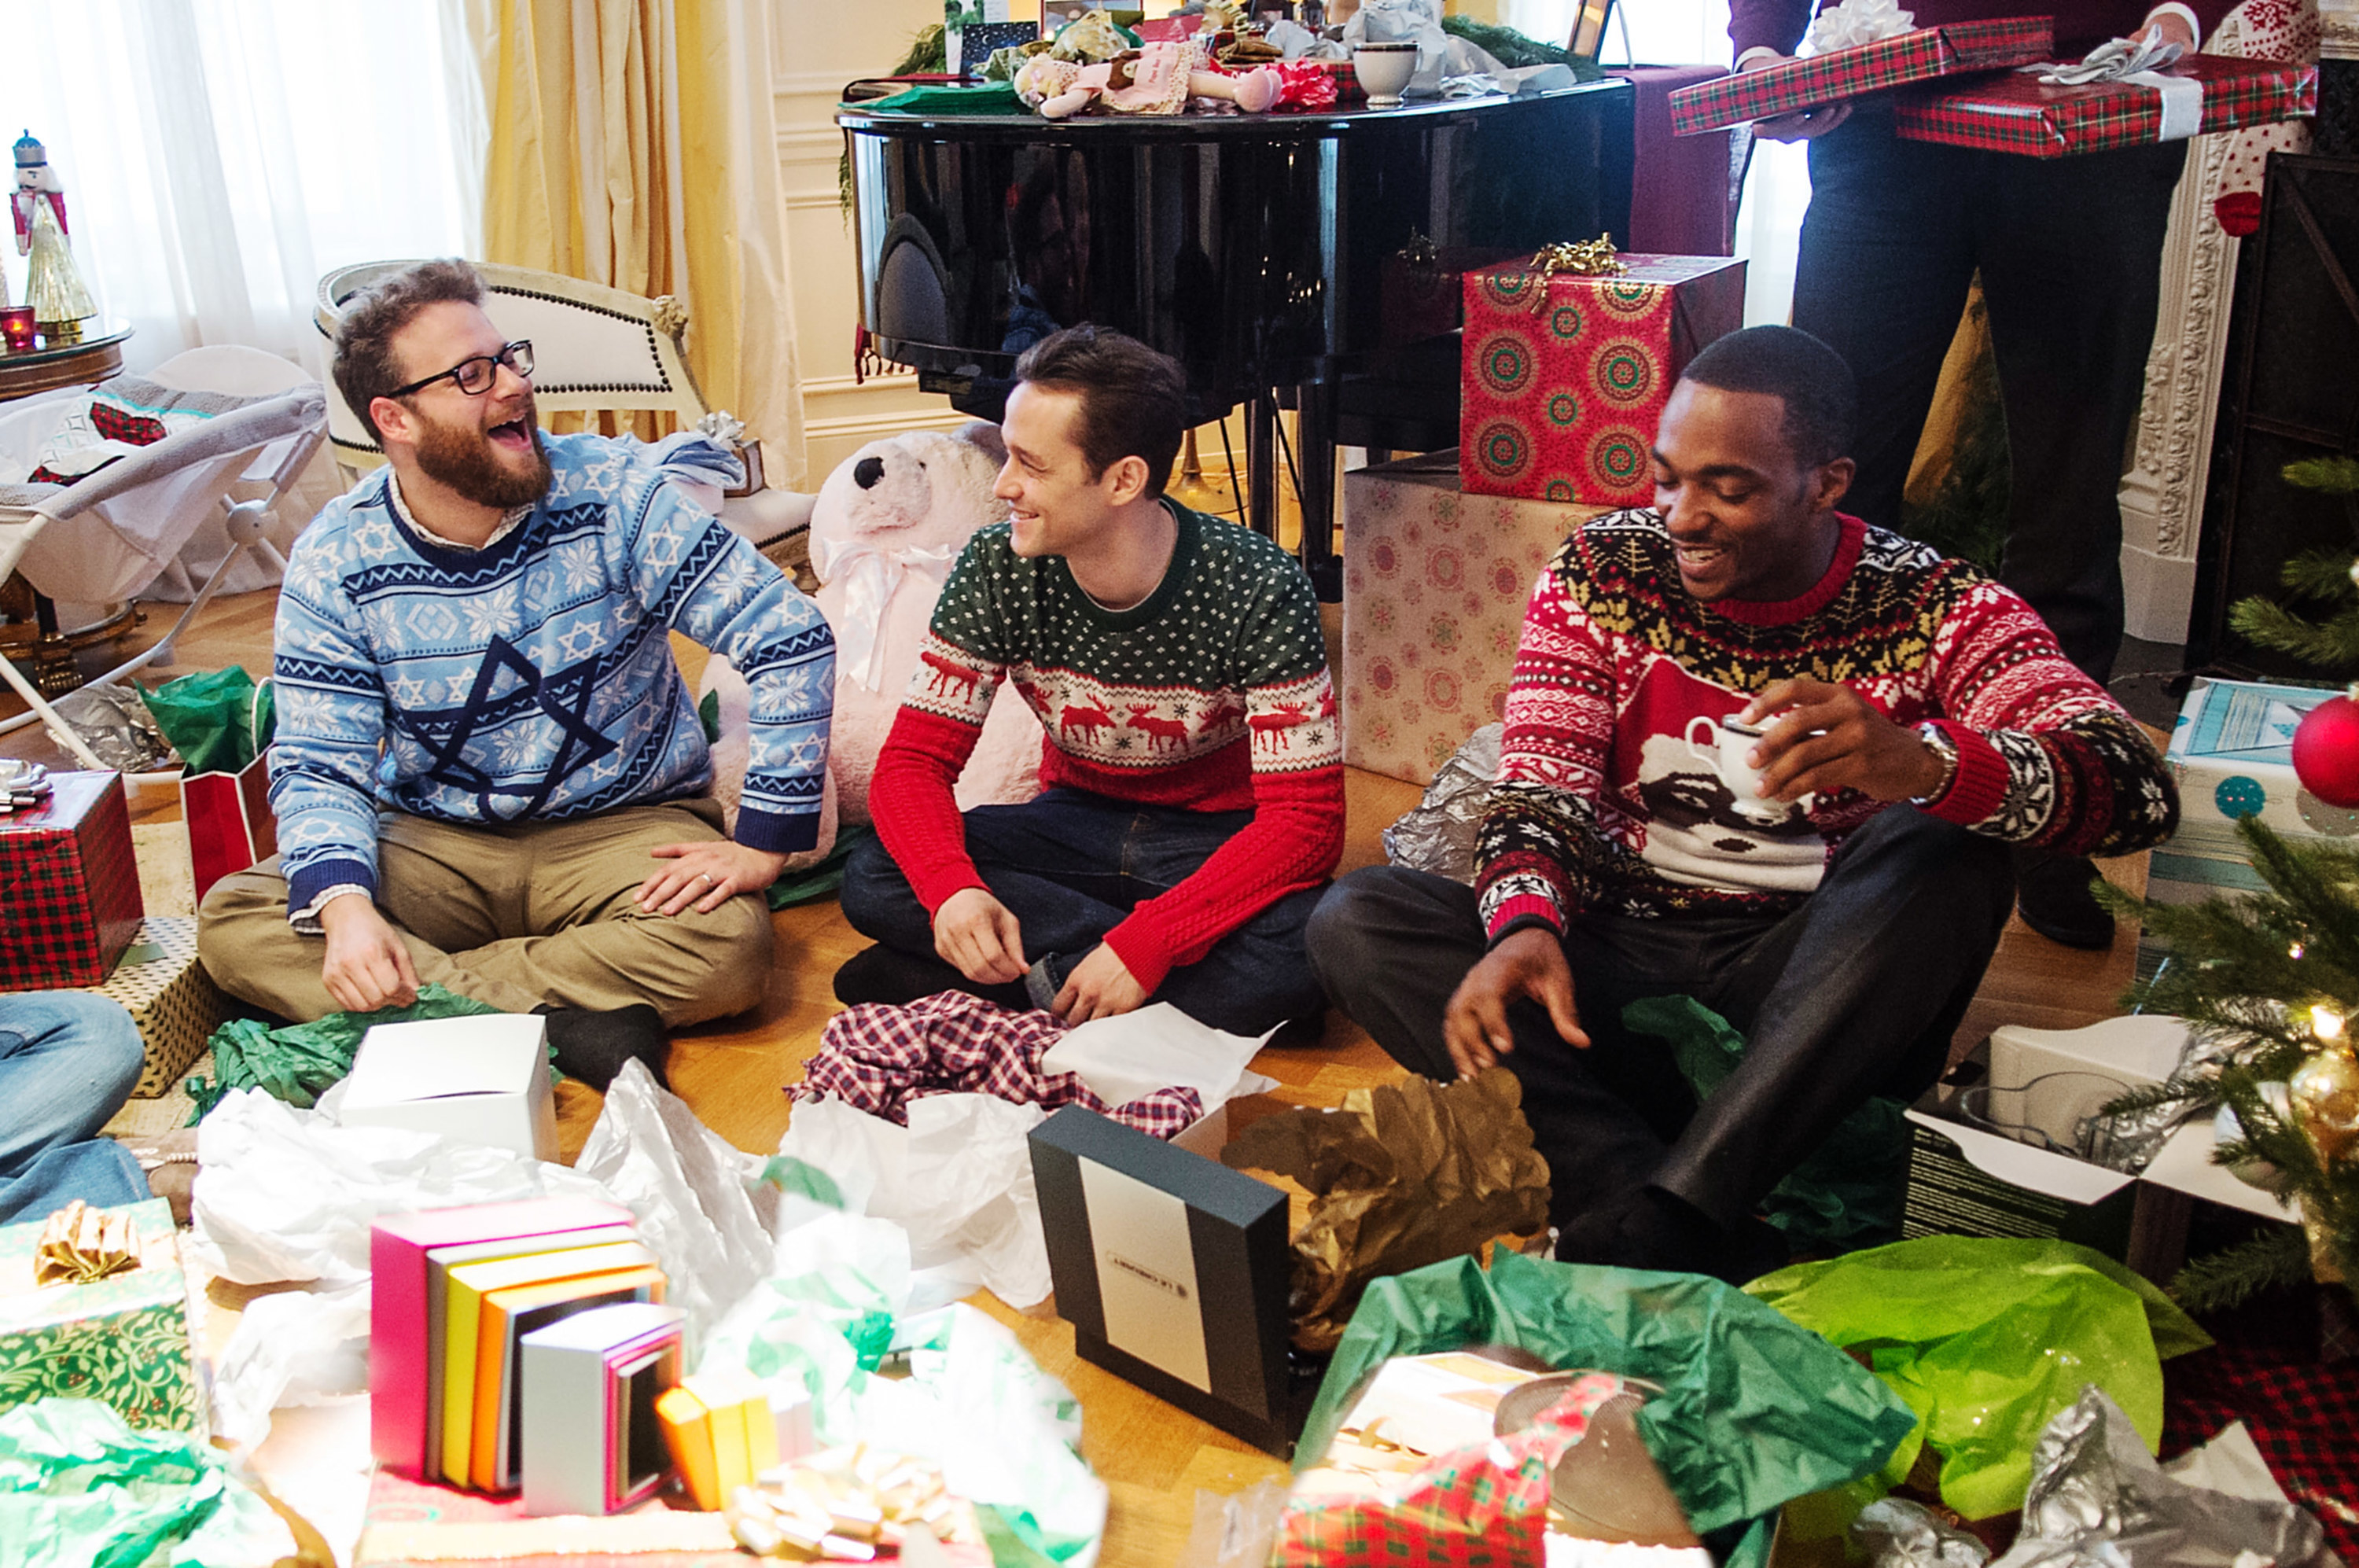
(1726, 743)
(1384, 71)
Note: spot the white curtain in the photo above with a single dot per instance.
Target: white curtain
(219, 156)
(1777, 186)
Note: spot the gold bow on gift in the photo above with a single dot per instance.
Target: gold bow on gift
(81, 1244)
(1575, 258)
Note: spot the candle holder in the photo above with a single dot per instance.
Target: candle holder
(17, 328)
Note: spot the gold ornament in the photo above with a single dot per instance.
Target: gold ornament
(1583, 258)
(2324, 1091)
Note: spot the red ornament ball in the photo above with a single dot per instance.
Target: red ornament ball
(2326, 752)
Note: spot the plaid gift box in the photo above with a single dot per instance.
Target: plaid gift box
(1842, 74)
(69, 885)
(1564, 375)
(123, 1340)
(2018, 113)
(169, 997)
(1434, 586)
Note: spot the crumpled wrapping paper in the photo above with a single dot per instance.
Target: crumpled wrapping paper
(291, 1347)
(115, 723)
(80, 1489)
(1438, 834)
(1897, 1533)
(218, 721)
(287, 1194)
(299, 1063)
(2099, 1500)
(697, 1201)
(1986, 1339)
(1397, 1177)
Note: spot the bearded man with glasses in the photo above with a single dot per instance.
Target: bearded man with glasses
(488, 771)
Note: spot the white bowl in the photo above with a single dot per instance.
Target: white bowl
(1383, 69)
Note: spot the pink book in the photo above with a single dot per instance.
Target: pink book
(400, 1346)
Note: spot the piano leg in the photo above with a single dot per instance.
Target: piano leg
(1315, 423)
(1260, 414)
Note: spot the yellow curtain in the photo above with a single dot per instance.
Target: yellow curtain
(633, 143)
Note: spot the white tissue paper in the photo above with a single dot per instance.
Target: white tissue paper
(1854, 23)
(1133, 1054)
(958, 1180)
(287, 1194)
(697, 1201)
(295, 1347)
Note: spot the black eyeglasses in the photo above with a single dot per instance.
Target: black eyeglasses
(474, 377)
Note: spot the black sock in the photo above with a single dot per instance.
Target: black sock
(887, 974)
(592, 1045)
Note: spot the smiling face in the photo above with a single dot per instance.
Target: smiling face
(485, 447)
(1747, 519)
(1056, 505)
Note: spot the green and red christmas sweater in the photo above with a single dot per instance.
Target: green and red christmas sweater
(1211, 694)
(1610, 798)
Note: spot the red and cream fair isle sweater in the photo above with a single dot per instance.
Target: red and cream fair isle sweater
(1610, 799)
(1210, 695)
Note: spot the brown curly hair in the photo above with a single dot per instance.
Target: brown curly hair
(365, 368)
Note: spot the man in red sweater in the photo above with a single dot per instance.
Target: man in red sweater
(2070, 252)
(1914, 720)
(1193, 782)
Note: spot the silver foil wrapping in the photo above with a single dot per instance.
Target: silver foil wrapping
(1438, 834)
(115, 724)
(1897, 1533)
(2099, 1500)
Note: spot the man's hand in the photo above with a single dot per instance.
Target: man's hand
(1529, 964)
(367, 966)
(1099, 987)
(978, 935)
(705, 875)
(1801, 124)
(1830, 738)
(2170, 28)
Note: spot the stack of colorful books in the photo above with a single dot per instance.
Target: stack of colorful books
(454, 1292)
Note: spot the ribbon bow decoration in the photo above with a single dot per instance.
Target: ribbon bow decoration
(871, 577)
(1855, 22)
(2115, 61)
(1577, 258)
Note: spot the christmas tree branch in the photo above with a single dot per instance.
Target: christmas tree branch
(2276, 1257)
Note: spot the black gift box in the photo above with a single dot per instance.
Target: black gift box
(1173, 1271)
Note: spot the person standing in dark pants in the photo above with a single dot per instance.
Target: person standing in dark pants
(1759, 754)
(2069, 252)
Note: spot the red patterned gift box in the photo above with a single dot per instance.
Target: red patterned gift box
(1564, 375)
(1846, 73)
(2018, 113)
(1434, 586)
(69, 885)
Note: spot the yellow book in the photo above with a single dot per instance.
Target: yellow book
(761, 1433)
(461, 1309)
(506, 1317)
(688, 1433)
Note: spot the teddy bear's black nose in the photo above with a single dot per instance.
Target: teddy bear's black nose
(867, 472)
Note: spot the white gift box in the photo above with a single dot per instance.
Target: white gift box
(481, 1079)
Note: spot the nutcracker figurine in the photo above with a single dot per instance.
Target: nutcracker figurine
(52, 287)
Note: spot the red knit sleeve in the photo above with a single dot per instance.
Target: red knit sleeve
(1294, 841)
(912, 800)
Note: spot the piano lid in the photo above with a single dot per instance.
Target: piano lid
(1254, 249)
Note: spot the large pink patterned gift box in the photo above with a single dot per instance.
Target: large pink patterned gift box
(1434, 586)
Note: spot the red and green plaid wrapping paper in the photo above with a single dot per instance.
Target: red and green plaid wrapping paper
(1917, 56)
(69, 885)
(1560, 404)
(2019, 113)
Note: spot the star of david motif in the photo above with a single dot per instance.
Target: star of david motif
(564, 697)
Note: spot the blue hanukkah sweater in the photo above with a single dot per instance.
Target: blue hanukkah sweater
(532, 680)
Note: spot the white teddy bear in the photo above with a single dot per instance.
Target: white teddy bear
(887, 526)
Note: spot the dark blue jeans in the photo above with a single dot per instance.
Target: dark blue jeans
(1856, 993)
(1071, 865)
(2070, 250)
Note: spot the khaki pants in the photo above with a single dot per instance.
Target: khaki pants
(514, 916)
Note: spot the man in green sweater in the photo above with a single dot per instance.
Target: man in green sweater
(1192, 801)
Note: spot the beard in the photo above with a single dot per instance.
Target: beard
(462, 457)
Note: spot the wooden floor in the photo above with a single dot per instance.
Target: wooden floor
(1154, 1457)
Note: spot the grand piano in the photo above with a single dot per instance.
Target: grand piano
(1299, 258)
